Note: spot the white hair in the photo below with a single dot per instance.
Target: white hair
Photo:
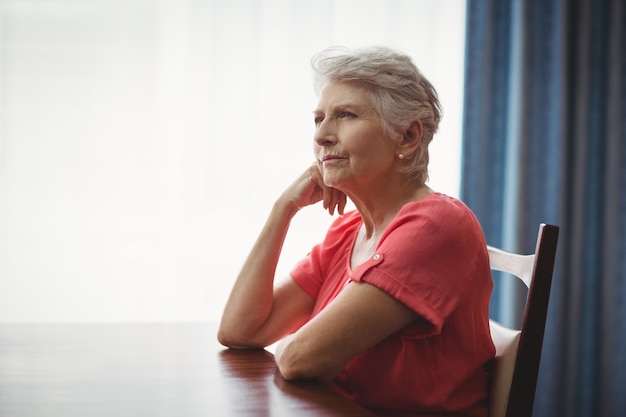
(399, 91)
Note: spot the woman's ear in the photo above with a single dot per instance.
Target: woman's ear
(411, 138)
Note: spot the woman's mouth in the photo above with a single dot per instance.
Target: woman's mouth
(332, 158)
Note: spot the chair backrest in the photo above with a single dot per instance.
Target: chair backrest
(518, 352)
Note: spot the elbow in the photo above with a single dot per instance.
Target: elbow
(303, 370)
(290, 374)
(229, 339)
(293, 369)
(224, 339)
(296, 365)
(235, 340)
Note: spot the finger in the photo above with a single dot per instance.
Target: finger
(343, 200)
(337, 202)
(316, 179)
(332, 198)
(332, 205)
(328, 199)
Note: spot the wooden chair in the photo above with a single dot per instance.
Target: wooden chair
(518, 352)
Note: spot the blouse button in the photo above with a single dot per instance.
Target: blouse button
(376, 256)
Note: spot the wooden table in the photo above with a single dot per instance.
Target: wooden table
(118, 370)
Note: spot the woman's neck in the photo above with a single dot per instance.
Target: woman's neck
(378, 211)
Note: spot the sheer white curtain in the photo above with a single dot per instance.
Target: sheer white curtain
(142, 142)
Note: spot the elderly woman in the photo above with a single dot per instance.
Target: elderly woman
(392, 306)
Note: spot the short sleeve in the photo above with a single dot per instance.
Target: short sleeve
(427, 258)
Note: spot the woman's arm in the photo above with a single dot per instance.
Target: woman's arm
(360, 316)
(256, 313)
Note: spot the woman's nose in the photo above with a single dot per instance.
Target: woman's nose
(324, 134)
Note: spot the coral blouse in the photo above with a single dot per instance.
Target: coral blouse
(432, 258)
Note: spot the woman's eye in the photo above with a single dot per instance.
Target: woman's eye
(339, 115)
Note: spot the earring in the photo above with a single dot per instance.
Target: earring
(400, 156)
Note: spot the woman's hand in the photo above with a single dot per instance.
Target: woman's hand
(309, 188)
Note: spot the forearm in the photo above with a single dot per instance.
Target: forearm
(256, 313)
(251, 299)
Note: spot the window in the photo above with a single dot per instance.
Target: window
(142, 143)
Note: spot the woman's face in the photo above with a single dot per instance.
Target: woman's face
(351, 145)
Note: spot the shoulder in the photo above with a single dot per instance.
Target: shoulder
(438, 204)
(440, 216)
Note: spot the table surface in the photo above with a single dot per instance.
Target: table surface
(155, 369)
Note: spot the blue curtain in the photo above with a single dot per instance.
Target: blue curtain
(544, 140)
